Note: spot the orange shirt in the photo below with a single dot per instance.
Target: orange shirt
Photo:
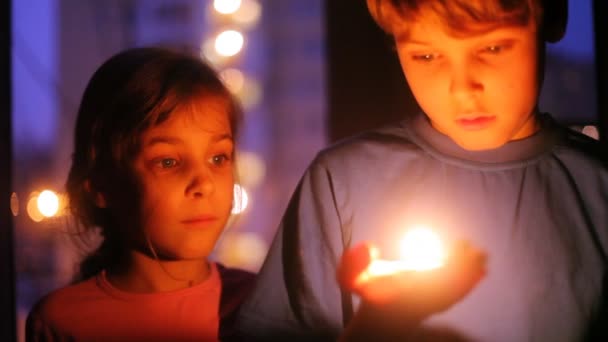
(94, 310)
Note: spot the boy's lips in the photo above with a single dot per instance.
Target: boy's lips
(475, 122)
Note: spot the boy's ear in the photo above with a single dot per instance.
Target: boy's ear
(98, 197)
(555, 20)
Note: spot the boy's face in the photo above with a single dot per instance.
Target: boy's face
(185, 175)
(481, 89)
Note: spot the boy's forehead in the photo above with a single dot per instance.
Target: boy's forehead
(426, 18)
(430, 28)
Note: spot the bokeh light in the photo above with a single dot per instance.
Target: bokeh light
(226, 6)
(251, 169)
(32, 207)
(14, 204)
(248, 14)
(240, 201)
(48, 203)
(242, 250)
(233, 79)
(251, 94)
(229, 43)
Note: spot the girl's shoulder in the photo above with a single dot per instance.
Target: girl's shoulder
(61, 306)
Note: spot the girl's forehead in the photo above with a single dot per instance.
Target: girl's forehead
(210, 115)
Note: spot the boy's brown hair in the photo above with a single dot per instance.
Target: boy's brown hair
(462, 16)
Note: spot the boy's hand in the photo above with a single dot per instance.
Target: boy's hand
(412, 295)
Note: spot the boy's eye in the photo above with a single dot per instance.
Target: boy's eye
(497, 48)
(494, 49)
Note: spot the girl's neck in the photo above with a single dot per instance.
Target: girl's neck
(144, 274)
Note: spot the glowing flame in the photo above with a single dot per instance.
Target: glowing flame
(421, 250)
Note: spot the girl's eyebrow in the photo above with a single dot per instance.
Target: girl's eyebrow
(221, 137)
(163, 139)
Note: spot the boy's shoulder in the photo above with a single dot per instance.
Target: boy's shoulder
(236, 286)
(579, 146)
(393, 137)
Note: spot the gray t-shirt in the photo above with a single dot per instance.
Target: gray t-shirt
(536, 206)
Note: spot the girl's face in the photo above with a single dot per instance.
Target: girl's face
(185, 175)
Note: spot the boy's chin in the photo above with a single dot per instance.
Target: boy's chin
(479, 144)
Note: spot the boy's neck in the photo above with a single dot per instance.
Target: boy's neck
(145, 274)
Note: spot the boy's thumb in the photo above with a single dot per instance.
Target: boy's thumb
(354, 261)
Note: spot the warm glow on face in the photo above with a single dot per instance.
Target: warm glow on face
(421, 250)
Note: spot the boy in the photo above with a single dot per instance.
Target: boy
(481, 164)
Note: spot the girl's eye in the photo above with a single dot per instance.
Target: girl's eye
(167, 163)
(494, 49)
(220, 159)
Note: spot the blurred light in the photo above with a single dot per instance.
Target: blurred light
(422, 249)
(226, 6)
(228, 43)
(240, 200)
(48, 203)
(233, 79)
(251, 169)
(242, 250)
(249, 13)
(32, 207)
(14, 204)
(251, 94)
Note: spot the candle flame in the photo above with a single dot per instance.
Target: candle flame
(421, 250)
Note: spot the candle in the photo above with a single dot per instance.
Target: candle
(421, 249)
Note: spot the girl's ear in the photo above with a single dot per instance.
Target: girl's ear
(555, 20)
(98, 197)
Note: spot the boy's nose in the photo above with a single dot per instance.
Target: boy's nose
(464, 82)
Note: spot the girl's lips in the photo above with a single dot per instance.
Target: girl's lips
(199, 219)
(475, 123)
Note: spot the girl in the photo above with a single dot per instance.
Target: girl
(153, 170)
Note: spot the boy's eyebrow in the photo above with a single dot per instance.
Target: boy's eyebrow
(408, 40)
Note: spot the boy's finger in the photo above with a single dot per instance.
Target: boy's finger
(354, 261)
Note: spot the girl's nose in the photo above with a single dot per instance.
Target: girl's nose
(201, 184)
